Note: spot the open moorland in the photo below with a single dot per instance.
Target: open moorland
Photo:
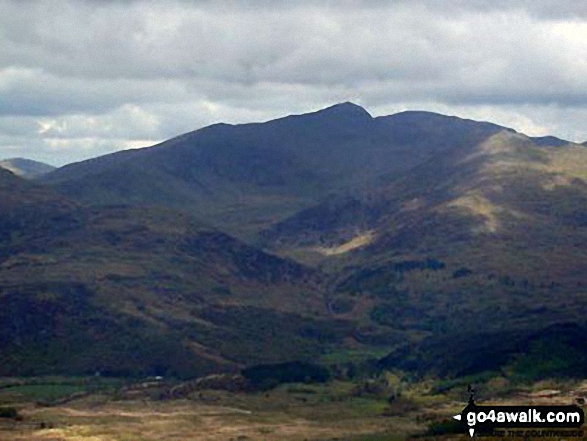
(389, 408)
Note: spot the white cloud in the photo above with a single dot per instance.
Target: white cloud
(84, 74)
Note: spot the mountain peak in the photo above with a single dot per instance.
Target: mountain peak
(345, 110)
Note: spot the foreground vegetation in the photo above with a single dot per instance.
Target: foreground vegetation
(387, 407)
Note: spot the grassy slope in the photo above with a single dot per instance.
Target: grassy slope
(488, 240)
(144, 291)
(485, 230)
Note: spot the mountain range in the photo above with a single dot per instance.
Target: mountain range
(246, 177)
(456, 246)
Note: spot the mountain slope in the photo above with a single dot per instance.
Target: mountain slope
(144, 291)
(26, 168)
(486, 239)
(434, 231)
(243, 178)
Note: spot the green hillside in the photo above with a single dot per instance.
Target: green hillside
(129, 291)
(412, 234)
(488, 240)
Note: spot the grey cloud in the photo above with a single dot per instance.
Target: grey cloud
(546, 9)
(303, 46)
(59, 152)
(124, 71)
(37, 93)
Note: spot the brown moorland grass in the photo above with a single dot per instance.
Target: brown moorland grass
(106, 420)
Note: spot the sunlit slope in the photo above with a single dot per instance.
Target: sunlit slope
(490, 239)
(505, 191)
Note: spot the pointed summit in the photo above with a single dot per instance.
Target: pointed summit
(340, 115)
(345, 110)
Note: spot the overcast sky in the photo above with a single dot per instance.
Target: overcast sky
(83, 78)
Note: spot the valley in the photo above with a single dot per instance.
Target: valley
(415, 250)
(359, 233)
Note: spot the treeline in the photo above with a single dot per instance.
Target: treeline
(379, 280)
(267, 376)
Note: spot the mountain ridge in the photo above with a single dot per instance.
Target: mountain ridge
(265, 171)
(419, 226)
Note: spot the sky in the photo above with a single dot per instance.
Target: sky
(79, 79)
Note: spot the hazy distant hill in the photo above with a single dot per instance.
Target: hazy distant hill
(27, 168)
